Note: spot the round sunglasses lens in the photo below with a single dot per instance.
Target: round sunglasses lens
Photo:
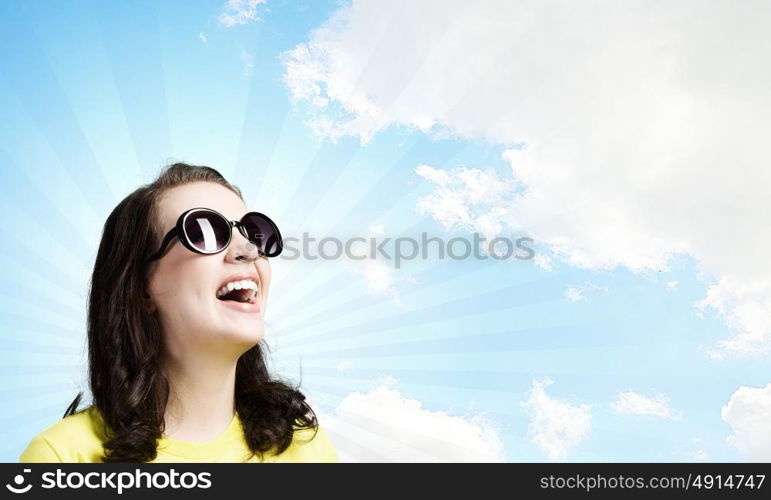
(263, 233)
(207, 231)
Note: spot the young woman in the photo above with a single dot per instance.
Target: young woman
(175, 322)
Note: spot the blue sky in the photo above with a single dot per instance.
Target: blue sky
(96, 97)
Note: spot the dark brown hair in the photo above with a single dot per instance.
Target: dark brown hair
(129, 388)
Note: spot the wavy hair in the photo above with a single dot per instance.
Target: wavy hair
(129, 388)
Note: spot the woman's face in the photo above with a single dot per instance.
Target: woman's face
(183, 286)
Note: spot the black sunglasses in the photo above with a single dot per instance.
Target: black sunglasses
(205, 231)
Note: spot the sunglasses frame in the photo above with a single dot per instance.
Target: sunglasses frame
(181, 234)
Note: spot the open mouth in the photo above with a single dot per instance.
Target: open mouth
(244, 291)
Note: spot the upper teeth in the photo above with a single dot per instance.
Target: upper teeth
(237, 285)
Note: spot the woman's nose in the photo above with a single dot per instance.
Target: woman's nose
(241, 248)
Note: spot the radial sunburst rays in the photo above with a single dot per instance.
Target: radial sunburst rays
(461, 338)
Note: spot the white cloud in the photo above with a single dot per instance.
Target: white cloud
(239, 12)
(203, 37)
(543, 261)
(748, 412)
(556, 426)
(633, 403)
(697, 455)
(672, 285)
(379, 275)
(467, 198)
(576, 293)
(384, 426)
(573, 294)
(748, 314)
(343, 366)
(644, 124)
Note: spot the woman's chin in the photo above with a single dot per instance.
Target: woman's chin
(245, 338)
(245, 329)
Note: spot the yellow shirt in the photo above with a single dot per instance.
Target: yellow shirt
(75, 439)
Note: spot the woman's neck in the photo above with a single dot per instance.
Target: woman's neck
(201, 400)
